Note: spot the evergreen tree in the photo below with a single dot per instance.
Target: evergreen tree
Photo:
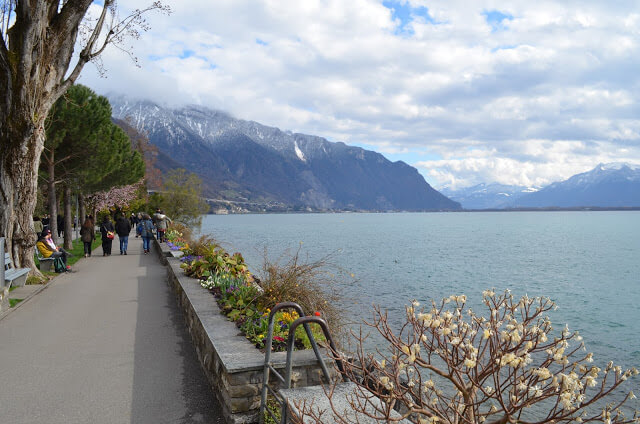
(84, 150)
(72, 130)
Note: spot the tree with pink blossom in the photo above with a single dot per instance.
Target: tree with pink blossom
(115, 198)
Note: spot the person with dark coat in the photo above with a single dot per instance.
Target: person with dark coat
(88, 235)
(123, 228)
(105, 228)
(60, 224)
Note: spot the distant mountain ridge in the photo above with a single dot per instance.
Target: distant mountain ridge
(247, 161)
(487, 196)
(607, 185)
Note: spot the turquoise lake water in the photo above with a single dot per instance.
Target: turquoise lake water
(587, 262)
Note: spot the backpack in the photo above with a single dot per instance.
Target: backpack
(58, 265)
(147, 228)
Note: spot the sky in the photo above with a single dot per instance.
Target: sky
(515, 92)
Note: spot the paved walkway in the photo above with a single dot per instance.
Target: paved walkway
(106, 344)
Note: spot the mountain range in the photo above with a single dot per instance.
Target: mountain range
(606, 185)
(487, 196)
(247, 163)
(609, 185)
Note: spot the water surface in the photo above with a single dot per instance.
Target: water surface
(587, 262)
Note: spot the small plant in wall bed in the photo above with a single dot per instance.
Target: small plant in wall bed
(247, 300)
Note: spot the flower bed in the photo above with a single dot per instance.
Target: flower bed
(238, 293)
(176, 240)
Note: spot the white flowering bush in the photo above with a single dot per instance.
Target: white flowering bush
(448, 364)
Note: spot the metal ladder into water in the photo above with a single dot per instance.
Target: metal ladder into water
(286, 380)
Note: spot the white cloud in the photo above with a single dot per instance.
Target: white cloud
(550, 91)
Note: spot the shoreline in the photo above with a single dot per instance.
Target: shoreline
(547, 209)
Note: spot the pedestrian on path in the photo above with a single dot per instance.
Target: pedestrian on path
(138, 225)
(60, 223)
(123, 228)
(147, 232)
(108, 233)
(162, 221)
(37, 226)
(88, 235)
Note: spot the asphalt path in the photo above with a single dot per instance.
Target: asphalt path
(105, 344)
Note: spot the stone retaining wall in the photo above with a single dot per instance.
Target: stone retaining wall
(231, 363)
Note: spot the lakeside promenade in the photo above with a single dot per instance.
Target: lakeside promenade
(105, 344)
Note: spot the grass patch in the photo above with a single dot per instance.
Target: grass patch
(33, 279)
(78, 249)
(14, 302)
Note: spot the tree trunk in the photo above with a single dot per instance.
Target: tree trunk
(33, 65)
(82, 212)
(68, 224)
(18, 194)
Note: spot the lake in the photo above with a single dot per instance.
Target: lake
(587, 262)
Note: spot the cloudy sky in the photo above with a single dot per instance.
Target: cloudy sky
(516, 92)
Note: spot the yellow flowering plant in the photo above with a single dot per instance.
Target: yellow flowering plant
(448, 364)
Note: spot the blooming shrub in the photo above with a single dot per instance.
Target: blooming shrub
(448, 364)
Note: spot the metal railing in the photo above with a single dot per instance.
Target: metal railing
(286, 379)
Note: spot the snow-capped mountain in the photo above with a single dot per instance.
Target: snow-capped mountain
(606, 185)
(245, 160)
(487, 196)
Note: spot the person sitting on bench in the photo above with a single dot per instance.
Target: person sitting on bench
(48, 248)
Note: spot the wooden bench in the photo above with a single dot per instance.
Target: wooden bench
(45, 263)
(16, 277)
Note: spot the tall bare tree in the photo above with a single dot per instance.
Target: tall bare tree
(37, 65)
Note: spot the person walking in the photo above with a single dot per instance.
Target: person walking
(146, 232)
(60, 225)
(138, 225)
(37, 226)
(108, 234)
(161, 220)
(123, 228)
(88, 235)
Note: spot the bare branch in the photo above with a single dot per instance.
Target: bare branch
(448, 364)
